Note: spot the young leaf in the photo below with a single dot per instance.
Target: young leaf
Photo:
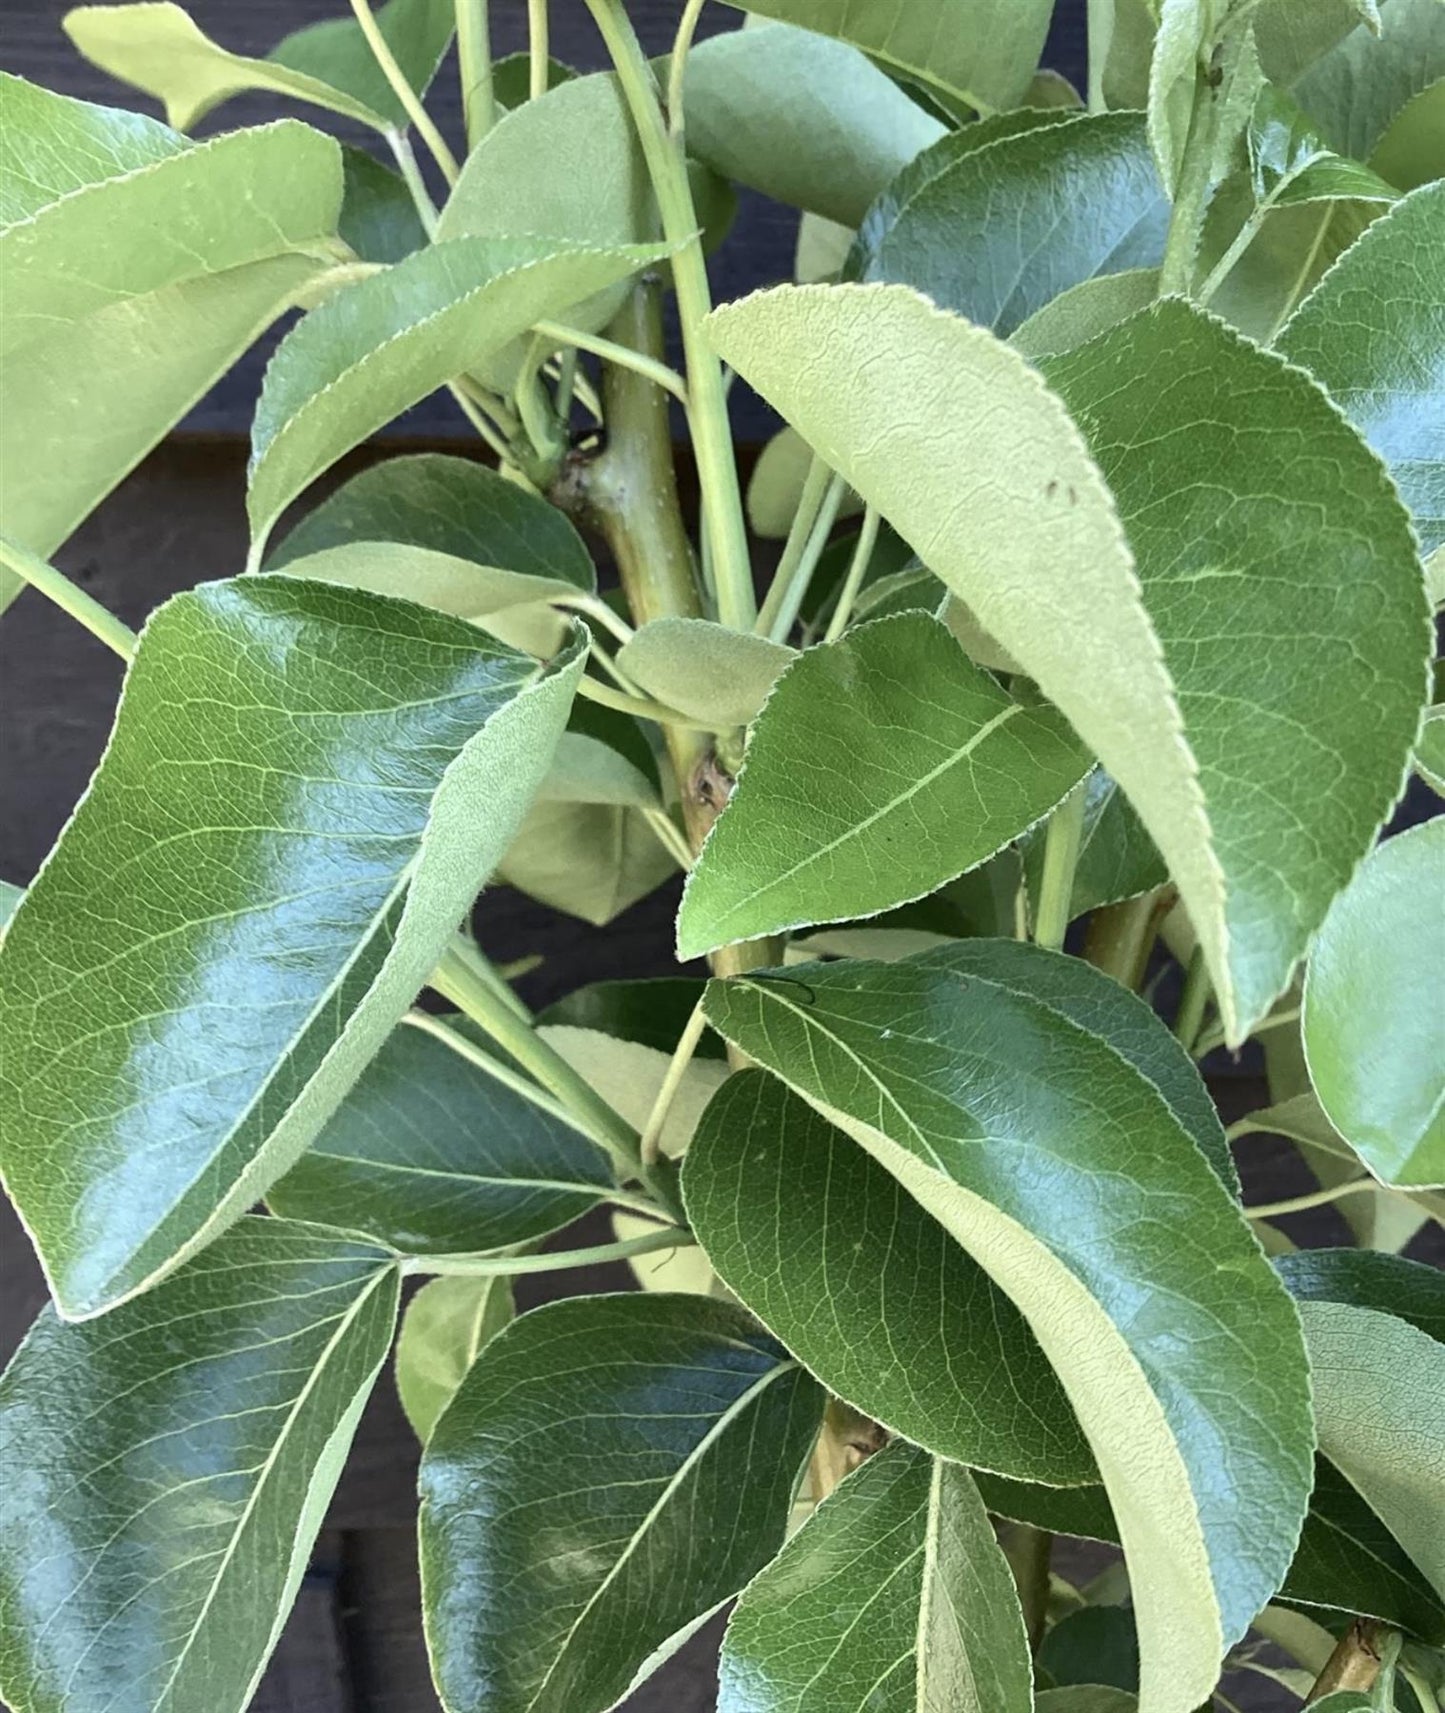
(444, 531)
(1083, 199)
(1182, 45)
(776, 484)
(167, 1469)
(1355, 90)
(430, 1155)
(884, 764)
(379, 346)
(378, 220)
(445, 1327)
(610, 1471)
(892, 1598)
(869, 1290)
(1288, 161)
(1063, 1172)
(158, 48)
(305, 788)
(591, 860)
(1372, 334)
(149, 278)
(806, 120)
(703, 669)
(1374, 1029)
(1379, 1389)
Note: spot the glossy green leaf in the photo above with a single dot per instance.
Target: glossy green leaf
(1093, 306)
(1291, 37)
(1082, 199)
(892, 1598)
(802, 118)
(149, 268)
(1373, 333)
(305, 789)
(430, 1155)
(1099, 1004)
(1080, 1511)
(1412, 150)
(158, 48)
(883, 765)
(445, 1327)
(1410, 1290)
(611, 1470)
(1379, 1390)
(651, 1012)
(1094, 1646)
(1354, 91)
(703, 669)
(1083, 1196)
(1289, 162)
(869, 1290)
(378, 217)
(444, 531)
(168, 1467)
(379, 346)
(1374, 1030)
(1117, 858)
(981, 53)
(1309, 511)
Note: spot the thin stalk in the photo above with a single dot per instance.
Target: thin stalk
(660, 373)
(405, 157)
(566, 382)
(1241, 241)
(676, 1070)
(1101, 37)
(597, 609)
(853, 581)
(1062, 843)
(644, 709)
(472, 955)
(473, 414)
(1192, 192)
(456, 980)
(795, 588)
(677, 69)
(556, 1261)
(1192, 1001)
(55, 585)
(810, 500)
(1315, 1198)
(403, 91)
(474, 62)
(1296, 291)
(538, 49)
(1355, 1663)
(669, 837)
(712, 436)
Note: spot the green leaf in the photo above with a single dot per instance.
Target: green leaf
(378, 217)
(379, 346)
(1093, 1646)
(1430, 750)
(591, 860)
(1354, 91)
(883, 765)
(1372, 334)
(1082, 1195)
(1082, 196)
(1412, 150)
(1374, 1030)
(652, 1012)
(444, 531)
(776, 485)
(1291, 37)
(628, 1075)
(1301, 1118)
(512, 78)
(611, 1470)
(802, 118)
(1410, 1290)
(148, 279)
(1020, 525)
(168, 1468)
(893, 1598)
(430, 1155)
(1379, 1390)
(446, 1326)
(1091, 1697)
(159, 49)
(981, 53)
(868, 1289)
(1286, 825)
(305, 789)
(1117, 858)
(703, 669)
(1289, 162)
(1183, 45)
(1093, 306)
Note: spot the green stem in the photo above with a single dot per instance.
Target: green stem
(793, 586)
(1315, 1198)
(1191, 194)
(403, 91)
(41, 574)
(1192, 1001)
(658, 373)
(1101, 39)
(1062, 843)
(676, 1070)
(405, 158)
(456, 980)
(1121, 936)
(472, 955)
(557, 1261)
(712, 436)
(677, 69)
(473, 413)
(857, 571)
(598, 609)
(596, 691)
(474, 61)
(538, 49)
(810, 500)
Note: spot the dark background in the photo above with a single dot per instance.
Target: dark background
(354, 1643)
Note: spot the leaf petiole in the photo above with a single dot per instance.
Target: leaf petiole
(554, 1261)
(41, 574)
